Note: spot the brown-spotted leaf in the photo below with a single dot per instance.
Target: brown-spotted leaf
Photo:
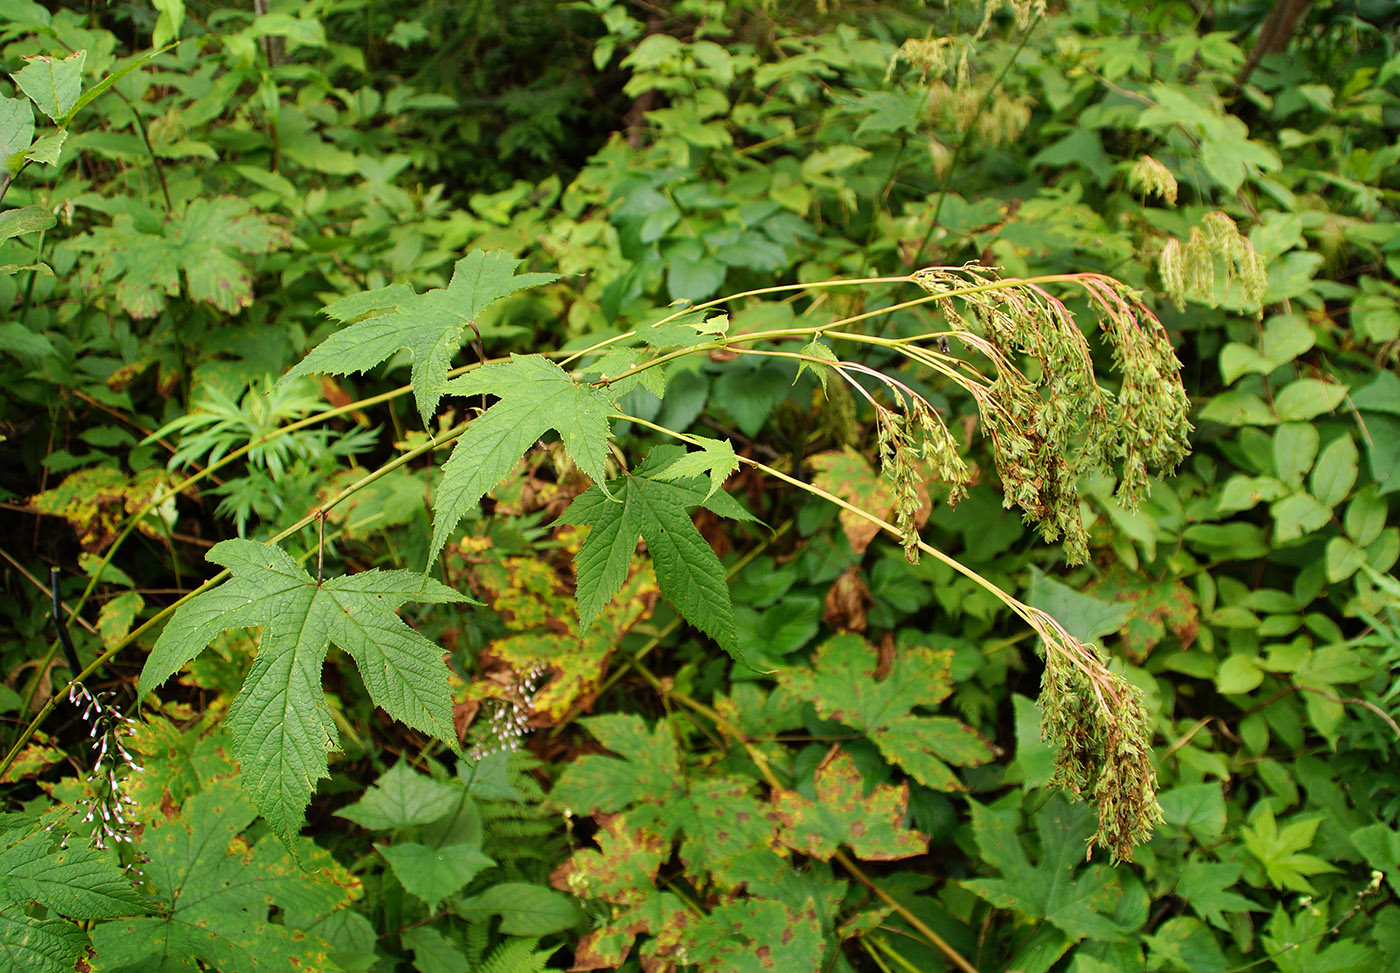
(883, 709)
(872, 825)
(730, 837)
(621, 870)
(847, 474)
(759, 936)
(1157, 608)
(663, 916)
(537, 605)
(95, 501)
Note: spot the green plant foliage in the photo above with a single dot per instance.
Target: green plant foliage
(212, 892)
(657, 508)
(76, 882)
(535, 395)
(1117, 277)
(923, 746)
(429, 325)
(279, 722)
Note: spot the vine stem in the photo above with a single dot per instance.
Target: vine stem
(1031, 616)
(135, 519)
(160, 616)
(760, 760)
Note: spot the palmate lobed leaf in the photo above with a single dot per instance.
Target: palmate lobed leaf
(1079, 900)
(279, 722)
(429, 325)
(143, 255)
(535, 395)
(214, 894)
(689, 573)
(843, 814)
(841, 686)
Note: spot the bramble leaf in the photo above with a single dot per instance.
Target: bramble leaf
(429, 325)
(78, 881)
(716, 460)
(144, 253)
(536, 395)
(816, 349)
(1077, 900)
(688, 571)
(843, 814)
(279, 722)
(214, 894)
(841, 685)
(649, 769)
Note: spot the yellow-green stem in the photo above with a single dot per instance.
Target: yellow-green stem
(160, 616)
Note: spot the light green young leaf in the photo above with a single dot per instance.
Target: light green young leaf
(16, 132)
(52, 83)
(47, 147)
(620, 360)
(281, 728)
(716, 460)
(168, 24)
(402, 798)
(687, 330)
(26, 219)
(1308, 398)
(690, 575)
(815, 349)
(429, 325)
(432, 874)
(536, 395)
(1280, 850)
(99, 89)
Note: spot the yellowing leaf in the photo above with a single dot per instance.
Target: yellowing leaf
(841, 685)
(849, 476)
(872, 825)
